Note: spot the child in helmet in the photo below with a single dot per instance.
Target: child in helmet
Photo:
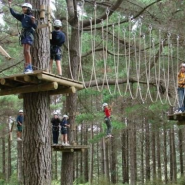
(20, 120)
(58, 39)
(64, 125)
(28, 27)
(181, 89)
(107, 111)
(55, 128)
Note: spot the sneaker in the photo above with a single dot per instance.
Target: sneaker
(67, 144)
(63, 143)
(178, 112)
(19, 139)
(27, 71)
(110, 135)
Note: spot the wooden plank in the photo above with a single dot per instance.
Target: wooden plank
(60, 81)
(30, 88)
(7, 82)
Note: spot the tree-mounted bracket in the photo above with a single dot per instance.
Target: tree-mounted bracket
(43, 14)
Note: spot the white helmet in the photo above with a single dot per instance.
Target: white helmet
(55, 113)
(65, 116)
(105, 104)
(57, 23)
(183, 65)
(27, 5)
(20, 111)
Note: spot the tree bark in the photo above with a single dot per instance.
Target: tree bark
(142, 153)
(86, 154)
(158, 155)
(147, 149)
(3, 158)
(37, 133)
(153, 153)
(181, 151)
(165, 154)
(20, 161)
(113, 161)
(68, 158)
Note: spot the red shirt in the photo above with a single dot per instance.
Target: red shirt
(107, 112)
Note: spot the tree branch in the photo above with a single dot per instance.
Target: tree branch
(124, 21)
(104, 16)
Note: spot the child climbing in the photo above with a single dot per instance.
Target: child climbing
(20, 120)
(181, 90)
(27, 34)
(55, 128)
(64, 125)
(58, 39)
(107, 110)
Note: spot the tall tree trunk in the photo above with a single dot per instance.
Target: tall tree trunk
(68, 158)
(165, 154)
(158, 155)
(20, 161)
(91, 157)
(147, 149)
(86, 154)
(3, 158)
(181, 151)
(56, 166)
(113, 161)
(142, 153)
(171, 155)
(9, 158)
(174, 156)
(107, 161)
(37, 133)
(153, 152)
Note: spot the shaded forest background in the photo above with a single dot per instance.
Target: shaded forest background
(146, 147)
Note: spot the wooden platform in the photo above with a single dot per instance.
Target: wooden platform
(180, 118)
(71, 148)
(37, 82)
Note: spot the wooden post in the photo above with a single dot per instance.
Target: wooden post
(64, 91)
(42, 11)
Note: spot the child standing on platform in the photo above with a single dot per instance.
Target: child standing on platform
(55, 128)
(27, 34)
(58, 39)
(181, 89)
(107, 110)
(20, 120)
(64, 125)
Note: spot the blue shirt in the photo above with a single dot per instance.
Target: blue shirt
(20, 119)
(25, 19)
(58, 38)
(64, 123)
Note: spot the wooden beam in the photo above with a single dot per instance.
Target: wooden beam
(70, 90)
(30, 88)
(8, 83)
(19, 79)
(60, 81)
(4, 53)
(31, 79)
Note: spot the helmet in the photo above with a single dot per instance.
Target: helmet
(105, 104)
(55, 113)
(57, 23)
(65, 116)
(20, 111)
(183, 65)
(27, 5)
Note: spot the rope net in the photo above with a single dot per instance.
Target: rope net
(133, 59)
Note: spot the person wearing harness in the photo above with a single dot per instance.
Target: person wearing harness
(20, 120)
(181, 89)
(107, 110)
(64, 125)
(58, 39)
(55, 128)
(27, 34)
